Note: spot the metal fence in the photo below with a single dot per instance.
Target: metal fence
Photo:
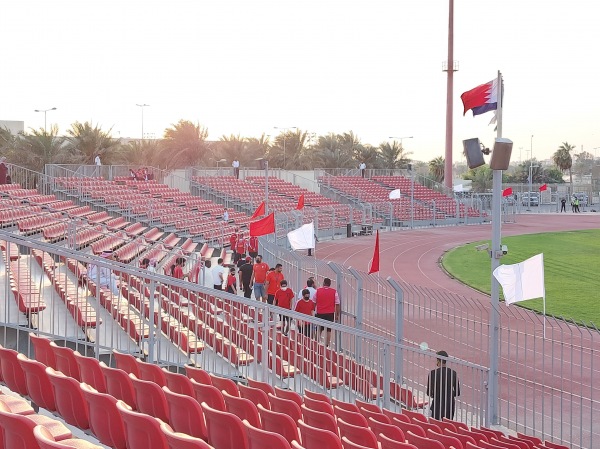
(545, 377)
(53, 291)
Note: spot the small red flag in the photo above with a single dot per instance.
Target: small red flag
(263, 226)
(507, 191)
(300, 205)
(374, 265)
(260, 210)
(543, 187)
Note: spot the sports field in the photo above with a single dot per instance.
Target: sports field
(571, 268)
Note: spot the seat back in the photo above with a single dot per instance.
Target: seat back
(390, 431)
(285, 406)
(354, 418)
(209, 394)
(141, 431)
(17, 431)
(477, 436)
(151, 373)
(535, 440)
(126, 362)
(316, 396)
(407, 427)
(399, 416)
(347, 444)
(315, 438)
(320, 406)
(65, 361)
(443, 424)
(446, 440)
(118, 385)
(261, 439)
(185, 414)
(289, 395)
(280, 423)
(150, 398)
(319, 420)
(415, 415)
(368, 406)
(42, 350)
(345, 405)
(198, 374)
(255, 395)
(387, 443)
(91, 374)
(422, 442)
(225, 430)
(70, 403)
(39, 387)
(242, 408)
(267, 388)
(426, 426)
(461, 437)
(376, 416)
(178, 383)
(178, 440)
(224, 384)
(12, 371)
(357, 434)
(105, 422)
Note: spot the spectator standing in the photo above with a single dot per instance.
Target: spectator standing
(442, 387)
(218, 275)
(563, 205)
(226, 216)
(327, 307)
(273, 281)
(307, 307)
(232, 243)
(310, 286)
(236, 168)
(241, 246)
(253, 246)
(177, 268)
(232, 282)
(103, 275)
(259, 276)
(3, 171)
(363, 168)
(283, 298)
(576, 203)
(245, 274)
(97, 160)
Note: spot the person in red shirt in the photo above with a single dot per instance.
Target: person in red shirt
(253, 246)
(283, 298)
(177, 268)
(232, 282)
(307, 307)
(259, 276)
(273, 281)
(240, 247)
(232, 244)
(327, 306)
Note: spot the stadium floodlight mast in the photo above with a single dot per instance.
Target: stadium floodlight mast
(45, 111)
(142, 106)
(284, 129)
(400, 138)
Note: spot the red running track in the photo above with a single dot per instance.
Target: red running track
(413, 256)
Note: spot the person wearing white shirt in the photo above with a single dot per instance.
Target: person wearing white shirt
(310, 286)
(97, 161)
(205, 278)
(218, 275)
(236, 168)
(226, 215)
(362, 168)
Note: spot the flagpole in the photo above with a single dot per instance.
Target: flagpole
(495, 253)
(544, 296)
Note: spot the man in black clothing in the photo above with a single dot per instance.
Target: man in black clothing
(443, 387)
(245, 274)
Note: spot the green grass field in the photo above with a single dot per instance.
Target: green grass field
(571, 270)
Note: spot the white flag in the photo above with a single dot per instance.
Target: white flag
(459, 188)
(523, 280)
(303, 237)
(395, 194)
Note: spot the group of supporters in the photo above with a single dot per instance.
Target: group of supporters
(141, 174)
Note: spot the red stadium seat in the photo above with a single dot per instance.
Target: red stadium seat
(345, 405)
(320, 420)
(356, 419)
(178, 383)
(319, 406)
(446, 440)
(357, 434)
(280, 423)
(388, 430)
(12, 371)
(288, 394)
(315, 438)
(178, 440)
(225, 430)
(118, 385)
(261, 439)
(150, 398)
(387, 443)
(267, 388)
(127, 363)
(209, 394)
(142, 431)
(45, 440)
(242, 408)
(43, 351)
(105, 421)
(39, 387)
(224, 384)
(422, 442)
(70, 403)
(91, 374)
(151, 373)
(255, 395)
(185, 414)
(65, 361)
(198, 374)
(317, 396)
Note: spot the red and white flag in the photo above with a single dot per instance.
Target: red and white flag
(374, 265)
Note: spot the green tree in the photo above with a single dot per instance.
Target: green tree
(7, 140)
(436, 169)
(230, 148)
(584, 162)
(39, 147)
(185, 145)
(85, 142)
(393, 155)
(563, 160)
(287, 150)
(256, 147)
(481, 178)
(145, 153)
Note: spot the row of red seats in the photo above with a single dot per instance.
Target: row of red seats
(110, 242)
(75, 301)
(129, 251)
(10, 217)
(39, 222)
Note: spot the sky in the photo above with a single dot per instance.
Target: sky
(245, 67)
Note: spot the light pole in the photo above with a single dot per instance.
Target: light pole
(142, 106)
(400, 138)
(284, 137)
(45, 111)
(530, 171)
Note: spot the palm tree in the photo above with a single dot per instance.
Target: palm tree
(393, 155)
(144, 153)
(436, 168)
(85, 142)
(287, 149)
(7, 140)
(231, 147)
(563, 160)
(255, 148)
(481, 177)
(39, 147)
(185, 144)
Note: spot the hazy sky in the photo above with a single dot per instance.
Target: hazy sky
(243, 66)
